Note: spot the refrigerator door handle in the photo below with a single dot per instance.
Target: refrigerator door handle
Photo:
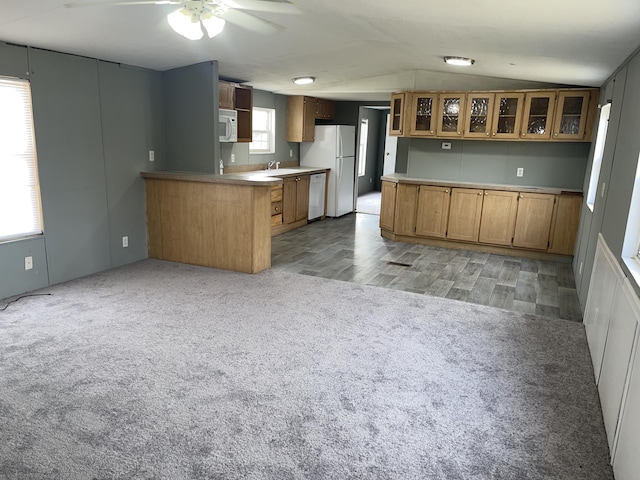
(340, 163)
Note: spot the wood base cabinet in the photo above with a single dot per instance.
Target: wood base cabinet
(464, 214)
(544, 222)
(433, 211)
(388, 205)
(295, 203)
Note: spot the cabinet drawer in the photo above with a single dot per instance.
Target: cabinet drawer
(276, 193)
(276, 208)
(276, 220)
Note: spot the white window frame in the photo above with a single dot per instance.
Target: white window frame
(362, 147)
(260, 147)
(20, 205)
(598, 151)
(631, 246)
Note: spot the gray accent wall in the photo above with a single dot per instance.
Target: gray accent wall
(191, 116)
(94, 124)
(546, 164)
(367, 183)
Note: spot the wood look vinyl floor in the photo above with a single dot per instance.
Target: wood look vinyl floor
(351, 249)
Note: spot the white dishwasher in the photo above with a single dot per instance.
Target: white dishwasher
(317, 185)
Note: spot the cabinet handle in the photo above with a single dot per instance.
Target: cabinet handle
(487, 134)
(276, 209)
(446, 191)
(486, 193)
(479, 193)
(493, 134)
(555, 134)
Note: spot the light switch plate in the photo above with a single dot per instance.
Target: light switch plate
(520, 172)
(152, 155)
(28, 263)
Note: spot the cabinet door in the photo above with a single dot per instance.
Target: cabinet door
(464, 214)
(226, 92)
(302, 197)
(450, 115)
(498, 217)
(507, 115)
(538, 115)
(571, 115)
(406, 202)
(422, 116)
(289, 199)
(325, 109)
(309, 120)
(301, 118)
(388, 205)
(479, 115)
(564, 226)
(397, 114)
(433, 211)
(533, 220)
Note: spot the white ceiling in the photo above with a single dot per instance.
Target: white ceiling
(358, 49)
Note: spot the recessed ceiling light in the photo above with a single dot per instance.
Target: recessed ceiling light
(304, 80)
(460, 61)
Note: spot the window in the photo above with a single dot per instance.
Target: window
(601, 136)
(362, 150)
(264, 131)
(631, 246)
(19, 191)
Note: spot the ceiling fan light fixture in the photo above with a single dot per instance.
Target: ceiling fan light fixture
(212, 24)
(459, 61)
(186, 24)
(304, 80)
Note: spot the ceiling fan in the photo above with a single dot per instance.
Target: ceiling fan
(192, 15)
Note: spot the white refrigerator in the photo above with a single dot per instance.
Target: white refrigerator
(335, 148)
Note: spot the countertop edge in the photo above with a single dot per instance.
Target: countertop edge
(232, 179)
(400, 178)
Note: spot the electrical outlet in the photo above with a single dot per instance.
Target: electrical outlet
(291, 153)
(125, 242)
(152, 155)
(446, 145)
(233, 158)
(520, 172)
(28, 263)
(371, 180)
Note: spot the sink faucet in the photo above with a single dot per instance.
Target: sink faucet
(271, 164)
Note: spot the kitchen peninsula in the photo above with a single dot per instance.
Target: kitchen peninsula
(219, 221)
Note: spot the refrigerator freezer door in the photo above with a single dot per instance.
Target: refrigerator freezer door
(346, 138)
(322, 151)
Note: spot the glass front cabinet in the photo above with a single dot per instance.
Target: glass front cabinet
(507, 115)
(538, 115)
(397, 114)
(451, 108)
(479, 114)
(423, 114)
(571, 115)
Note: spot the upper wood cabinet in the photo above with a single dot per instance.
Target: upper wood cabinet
(397, 114)
(451, 108)
(234, 96)
(301, 119)
(433, 211)
(325, 109)
(538, 115)
(388, 205)
(526, 115)
(507, 116)
(479, 115)
(302, 112)
(570, 121)
(423, 108)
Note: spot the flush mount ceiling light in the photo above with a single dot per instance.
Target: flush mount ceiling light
(460, 61)
(189, 20)
(304, 80)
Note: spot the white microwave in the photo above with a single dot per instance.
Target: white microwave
(228, 125)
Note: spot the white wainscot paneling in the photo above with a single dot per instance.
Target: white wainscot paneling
(626, 457)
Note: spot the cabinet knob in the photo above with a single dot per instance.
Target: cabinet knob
(431, 132)
(446, 191)
(488, 134)
(555, 134)
(494, 134)
(479, 193)
(486, 193)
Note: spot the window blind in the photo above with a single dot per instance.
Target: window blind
(20, 213)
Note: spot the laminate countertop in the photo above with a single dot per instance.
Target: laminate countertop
(256, 177)
(403, 178)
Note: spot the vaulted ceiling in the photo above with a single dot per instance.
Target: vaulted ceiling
(357, 49)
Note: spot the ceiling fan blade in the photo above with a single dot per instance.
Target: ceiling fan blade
(263, 6)
(250, 22)
(123, 3)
